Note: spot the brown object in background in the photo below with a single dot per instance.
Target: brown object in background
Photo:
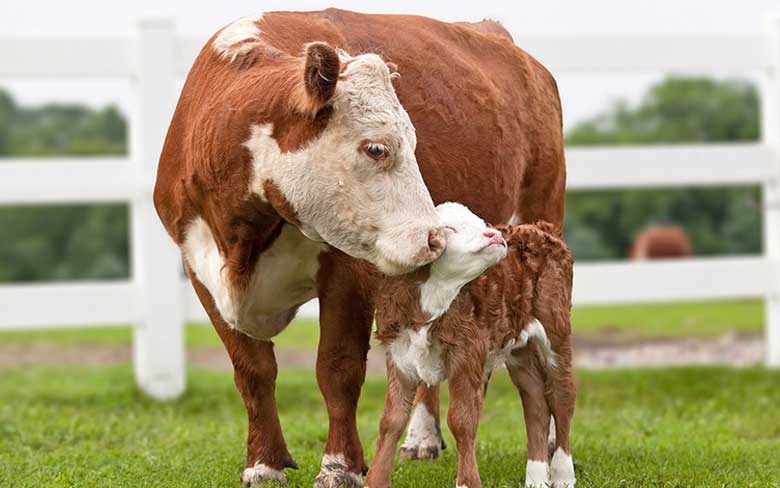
(661, 241)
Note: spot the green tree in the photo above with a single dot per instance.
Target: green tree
(676, 110)
(63, 242)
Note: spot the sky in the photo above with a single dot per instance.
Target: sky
(582, 95)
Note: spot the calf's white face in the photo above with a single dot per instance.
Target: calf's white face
(472, 246)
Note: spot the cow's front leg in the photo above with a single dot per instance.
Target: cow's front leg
(254, 372)
(346, 314)
(424, 439)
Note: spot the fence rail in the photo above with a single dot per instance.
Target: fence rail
(157, 301)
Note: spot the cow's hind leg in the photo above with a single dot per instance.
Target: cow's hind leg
(254, 372)
(346, 314)
(424, 439)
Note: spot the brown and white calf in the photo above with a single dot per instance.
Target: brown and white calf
(453, 322)
(296, 163)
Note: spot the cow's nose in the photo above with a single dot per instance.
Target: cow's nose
(436, 241)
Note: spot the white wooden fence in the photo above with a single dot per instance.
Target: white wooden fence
(158, 302)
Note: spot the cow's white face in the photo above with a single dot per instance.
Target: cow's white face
(357, 185)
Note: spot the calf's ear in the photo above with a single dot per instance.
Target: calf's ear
(320, 74)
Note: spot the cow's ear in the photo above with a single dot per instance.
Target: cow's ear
(320, 73)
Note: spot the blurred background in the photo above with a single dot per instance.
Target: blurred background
(678, 315)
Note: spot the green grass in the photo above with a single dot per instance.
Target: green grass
(81, 427)
(302, 334)
(684, 319)
(629, 322)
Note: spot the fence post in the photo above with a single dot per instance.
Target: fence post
(770, 118)
(158, 345)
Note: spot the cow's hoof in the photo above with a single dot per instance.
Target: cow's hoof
(335, 473)
(260, 473)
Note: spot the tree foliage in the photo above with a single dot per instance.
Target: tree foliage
(63, 242)
(676, 110)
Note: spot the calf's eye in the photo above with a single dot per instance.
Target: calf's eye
(449, 228)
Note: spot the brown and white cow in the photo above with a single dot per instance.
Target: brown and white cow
(291, 154)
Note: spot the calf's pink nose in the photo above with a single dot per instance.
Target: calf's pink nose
(494, 236)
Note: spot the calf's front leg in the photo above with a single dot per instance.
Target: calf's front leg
(398, 403)
(466, 396)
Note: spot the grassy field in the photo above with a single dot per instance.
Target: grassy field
(77, 427)
(617, 323)
(684, 319)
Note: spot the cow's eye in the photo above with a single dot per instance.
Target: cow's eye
(375, 150)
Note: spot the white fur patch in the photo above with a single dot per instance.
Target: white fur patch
(422, 433)
(238, 38)
(284, 277)
(260, 473)
(537, 474)
(562, 470)
(418, 356)
(535, 331)
(285, 170)
(204, 259)
(436, 295)
(514, 219)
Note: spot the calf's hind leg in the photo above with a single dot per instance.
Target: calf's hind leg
(561, 394)
(528, 376)
(398, 403)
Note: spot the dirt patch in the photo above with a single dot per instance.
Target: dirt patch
(730, 349)
(45, 354)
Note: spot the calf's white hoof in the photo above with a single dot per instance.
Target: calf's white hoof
(537, 474)
(562, 470)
